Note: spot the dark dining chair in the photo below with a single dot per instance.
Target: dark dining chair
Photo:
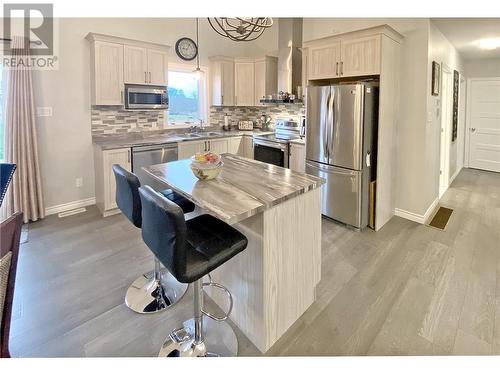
(6, 172)
(10, 235)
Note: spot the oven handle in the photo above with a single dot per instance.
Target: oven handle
(261, 142)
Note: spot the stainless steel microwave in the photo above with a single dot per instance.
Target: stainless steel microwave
(146, 97)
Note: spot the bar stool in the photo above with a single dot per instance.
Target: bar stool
(190, 250)
(154, 291)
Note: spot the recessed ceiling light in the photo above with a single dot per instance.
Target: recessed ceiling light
(489, 43)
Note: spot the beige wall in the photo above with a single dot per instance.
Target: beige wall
(64, 139)
(483, 68)
(442, 51)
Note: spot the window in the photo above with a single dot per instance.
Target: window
(187, 97)
(2, 119)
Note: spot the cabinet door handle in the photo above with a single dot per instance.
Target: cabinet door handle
(128, 156)
(337, 69)
(209, 146)
(149, 77)
(205, 146)
(341, 68)
(222, 99)
(145, 77)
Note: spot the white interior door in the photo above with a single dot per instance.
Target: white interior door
(446, 120)
(484, 124)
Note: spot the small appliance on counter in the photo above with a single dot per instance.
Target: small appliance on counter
(245, 125)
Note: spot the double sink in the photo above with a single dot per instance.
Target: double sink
(202, 135)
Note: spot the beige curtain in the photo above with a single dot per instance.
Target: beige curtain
(25, 191)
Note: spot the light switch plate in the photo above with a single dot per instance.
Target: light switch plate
(44, 111)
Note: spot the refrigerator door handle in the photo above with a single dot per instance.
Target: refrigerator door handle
(325, 127)
(331, 115)
(368, 159)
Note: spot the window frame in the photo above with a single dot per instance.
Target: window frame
(203, 91)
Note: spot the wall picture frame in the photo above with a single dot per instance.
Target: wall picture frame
(456, 88)
(436, 78)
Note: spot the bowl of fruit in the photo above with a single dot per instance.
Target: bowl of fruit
(206, 165)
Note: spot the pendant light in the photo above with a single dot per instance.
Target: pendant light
(240, 29)
(198, 72)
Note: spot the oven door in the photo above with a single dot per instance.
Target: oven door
(146, 98)
(271, 152)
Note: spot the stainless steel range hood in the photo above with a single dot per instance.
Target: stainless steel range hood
(289, 58)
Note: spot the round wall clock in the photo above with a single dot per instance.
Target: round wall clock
(186, 49)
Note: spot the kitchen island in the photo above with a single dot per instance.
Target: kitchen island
(273, 281)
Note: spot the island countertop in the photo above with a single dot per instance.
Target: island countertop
(244, 187)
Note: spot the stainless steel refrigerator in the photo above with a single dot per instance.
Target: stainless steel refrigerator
(341, 147)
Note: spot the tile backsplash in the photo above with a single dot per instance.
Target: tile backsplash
(117, 120)
(285, 111)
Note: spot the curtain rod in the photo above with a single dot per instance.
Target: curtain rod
(37, 42)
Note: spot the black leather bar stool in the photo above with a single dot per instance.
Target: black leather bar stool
(190, 250)
(154, 291)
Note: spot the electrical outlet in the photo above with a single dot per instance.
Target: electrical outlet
(44, 111)
(79, 182)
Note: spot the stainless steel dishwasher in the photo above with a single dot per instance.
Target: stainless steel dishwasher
(144, 156)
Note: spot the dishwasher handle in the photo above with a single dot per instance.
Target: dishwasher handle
(166, 146)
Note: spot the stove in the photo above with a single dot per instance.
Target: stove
(275, 148)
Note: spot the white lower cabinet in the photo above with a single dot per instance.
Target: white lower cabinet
(219, 145)
(247, 146)
(297, 161)
(188, 149)
(234, 146)
(105, 185)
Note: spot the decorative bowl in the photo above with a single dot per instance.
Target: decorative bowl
(206, 172)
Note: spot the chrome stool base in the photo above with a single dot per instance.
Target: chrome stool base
(147, 296)
(219, 340)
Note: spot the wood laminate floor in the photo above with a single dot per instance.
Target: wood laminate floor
(406, 290)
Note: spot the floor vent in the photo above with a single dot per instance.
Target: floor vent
(72, 212)
(441, 218)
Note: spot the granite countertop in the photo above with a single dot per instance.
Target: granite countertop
(243, 188)
(110, 142)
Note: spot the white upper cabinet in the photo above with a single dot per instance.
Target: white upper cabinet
(324, 61)
(116, 61)
(222, 80)
(244, 76)
(135, 66)
(266, 77)
(352, 54)
(360, 56)
(107, 67)
(157, 67)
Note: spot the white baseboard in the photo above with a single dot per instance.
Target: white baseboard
(454, 175)
(422, 219)
(69, 206)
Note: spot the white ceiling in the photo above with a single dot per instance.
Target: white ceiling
(465, 34)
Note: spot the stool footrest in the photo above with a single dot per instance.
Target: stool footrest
(222, 287)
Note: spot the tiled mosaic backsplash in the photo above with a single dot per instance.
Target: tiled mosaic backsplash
(285, 111)
(118, 120)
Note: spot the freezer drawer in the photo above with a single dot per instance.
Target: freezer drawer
(341, 195)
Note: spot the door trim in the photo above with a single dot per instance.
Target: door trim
(444, 139)
(468, 115)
